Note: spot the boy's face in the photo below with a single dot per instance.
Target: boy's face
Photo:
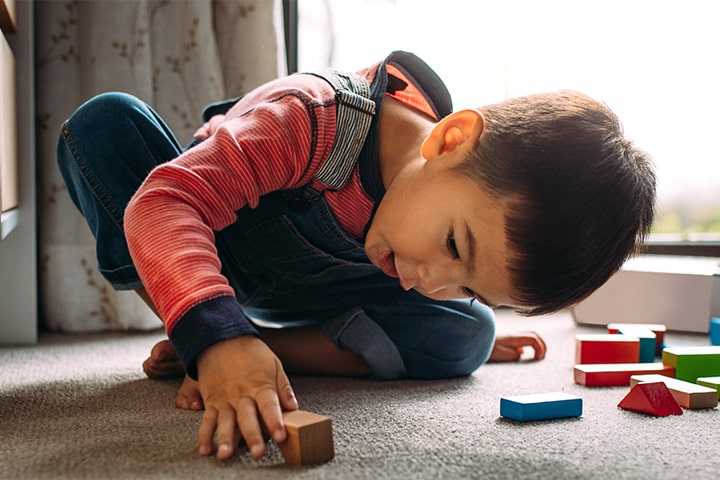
(440, 233)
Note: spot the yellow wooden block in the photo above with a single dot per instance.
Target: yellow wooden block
(310, 438)
(692, 362)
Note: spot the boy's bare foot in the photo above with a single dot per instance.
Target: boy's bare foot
(189, 397)
(163, 362)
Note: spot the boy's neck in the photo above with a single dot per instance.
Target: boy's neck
(402, 132)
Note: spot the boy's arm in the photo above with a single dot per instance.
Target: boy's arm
(169, 223)
(169, 226)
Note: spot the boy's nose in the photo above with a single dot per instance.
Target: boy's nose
(433, 279)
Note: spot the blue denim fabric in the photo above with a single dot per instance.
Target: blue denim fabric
(288, 260)
(105, 151)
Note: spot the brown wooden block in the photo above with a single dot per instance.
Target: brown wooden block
(710, 382)
(310, 438)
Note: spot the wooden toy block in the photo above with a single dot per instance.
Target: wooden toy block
(715, 331)
(647, 342)
(541, 406)
(690, 363)
(653, 398)
(657, 328)
(310, 438)
(687, 395)
(617, 374)
(710, 382)
(606, 348)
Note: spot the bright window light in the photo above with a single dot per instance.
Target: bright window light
(656, 63)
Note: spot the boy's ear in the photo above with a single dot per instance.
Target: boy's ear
(460, 129)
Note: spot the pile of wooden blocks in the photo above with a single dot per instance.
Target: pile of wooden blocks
(687, 377)
(662, 380)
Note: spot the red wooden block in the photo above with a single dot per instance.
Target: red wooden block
(617, 374)
(606, 348)
(653, 398)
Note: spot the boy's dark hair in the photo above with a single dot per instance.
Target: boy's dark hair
(580, 197)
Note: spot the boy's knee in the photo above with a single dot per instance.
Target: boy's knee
(454, 345)
(470, 345)
(480, 346)
(102, 110)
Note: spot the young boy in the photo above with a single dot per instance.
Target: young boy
(354, 210)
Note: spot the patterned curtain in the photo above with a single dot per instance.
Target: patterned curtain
(178, 56)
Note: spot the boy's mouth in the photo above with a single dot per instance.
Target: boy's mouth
(386, 262)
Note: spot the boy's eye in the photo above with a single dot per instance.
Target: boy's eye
(469, 293)
(451, 245)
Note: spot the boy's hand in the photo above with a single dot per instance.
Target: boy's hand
(208, 127)
(240, 378)
(509, 348)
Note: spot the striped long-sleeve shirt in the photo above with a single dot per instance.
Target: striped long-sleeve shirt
(276, 137)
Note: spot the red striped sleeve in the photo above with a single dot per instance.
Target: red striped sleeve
(169, 223)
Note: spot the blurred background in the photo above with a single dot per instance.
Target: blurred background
(654, 62)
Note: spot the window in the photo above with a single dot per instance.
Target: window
(654, 62)
(9, 194)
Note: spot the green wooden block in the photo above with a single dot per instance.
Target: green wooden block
(711, 382)
(690, 363)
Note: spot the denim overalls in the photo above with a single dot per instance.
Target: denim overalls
(288, 260)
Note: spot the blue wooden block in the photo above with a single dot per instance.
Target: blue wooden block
(647, 341)
(715, 331)
(541, 406)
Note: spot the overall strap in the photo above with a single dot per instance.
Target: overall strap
(355, 111)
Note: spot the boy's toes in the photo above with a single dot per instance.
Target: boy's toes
(163, 351)
(189, 397)
(163, 362)
(156, 370)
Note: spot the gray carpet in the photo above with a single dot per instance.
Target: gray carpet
(78, 406)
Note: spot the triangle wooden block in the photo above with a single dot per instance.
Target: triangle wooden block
(653, 398)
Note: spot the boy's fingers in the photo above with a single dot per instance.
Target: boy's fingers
(529, 339)
(201, 133)
(503, 353)
(286, 393)
(269, 407)
(207, 431)
(535, 341)
(510, 348)
(228, 435)
(249, 425)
